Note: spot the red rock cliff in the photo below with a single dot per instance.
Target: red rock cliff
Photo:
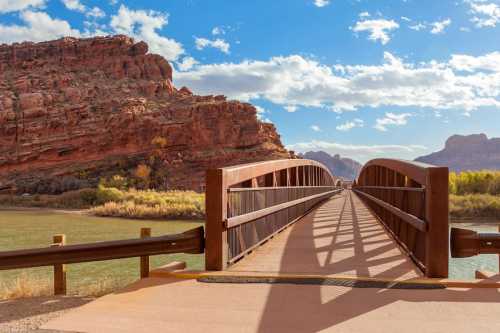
(80, 109)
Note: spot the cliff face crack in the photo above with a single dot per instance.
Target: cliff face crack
(70, 104)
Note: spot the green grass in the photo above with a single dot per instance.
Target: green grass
(32, 229)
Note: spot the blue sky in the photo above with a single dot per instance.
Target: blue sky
(363, 78)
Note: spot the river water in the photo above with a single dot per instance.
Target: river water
(464, 268)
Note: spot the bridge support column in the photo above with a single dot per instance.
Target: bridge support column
(216, 250)
(436, 201)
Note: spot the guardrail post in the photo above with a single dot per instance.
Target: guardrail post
(145, 233)
(436, 215)
(59, 269)
(216, 248)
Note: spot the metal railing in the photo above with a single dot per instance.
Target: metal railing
(59, 254)
(247, 204)
(411, 200)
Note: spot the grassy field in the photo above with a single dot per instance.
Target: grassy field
(31, 229)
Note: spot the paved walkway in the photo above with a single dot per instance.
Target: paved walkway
(340, 237)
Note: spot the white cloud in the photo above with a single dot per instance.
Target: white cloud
(218, 43)
(488, 62)
(391, 119)
(361, 153)
(418, 26)
(321, 3)
(364, 14)
(76, 5)
(315, 128)
(290, 108)
(485, 14)
(298, 81)
(377, 29)
(38, 26)
(261, 112)
(218, 31)
(187, 63)
(7, 6)
(347, 126)
(407, 19)
(142, 25)
(439, 26)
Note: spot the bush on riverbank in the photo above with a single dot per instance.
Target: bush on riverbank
(80, 199)
(475, 206)
(475, 182)
(150, 204)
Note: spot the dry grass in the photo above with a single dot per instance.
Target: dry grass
(475, 206)
(25, 286)
(150, 204)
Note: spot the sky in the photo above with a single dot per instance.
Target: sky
(361, 78)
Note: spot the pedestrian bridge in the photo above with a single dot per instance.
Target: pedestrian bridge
(289, 249)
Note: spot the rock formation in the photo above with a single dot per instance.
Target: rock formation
(81, 109)
(467, 152)
(341, 167)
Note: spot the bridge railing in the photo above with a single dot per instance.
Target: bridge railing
(247, 204)
(411, 200)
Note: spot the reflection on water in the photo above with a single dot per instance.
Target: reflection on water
(464, 268)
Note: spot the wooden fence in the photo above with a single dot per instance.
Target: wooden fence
(248, 204)
(60, 254)
(411, 200)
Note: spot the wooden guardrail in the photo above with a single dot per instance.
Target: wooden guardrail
(467, 243)
(59, 254)
(411, 200)
(248, 204)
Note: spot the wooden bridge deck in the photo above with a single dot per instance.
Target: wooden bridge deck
(340, 237)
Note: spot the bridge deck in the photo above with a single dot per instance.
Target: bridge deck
(341, 236)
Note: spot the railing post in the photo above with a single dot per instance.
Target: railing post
(216, 251)
(59, 269)
(436, 215)
(145, 233)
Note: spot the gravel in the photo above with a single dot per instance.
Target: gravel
(28, 314)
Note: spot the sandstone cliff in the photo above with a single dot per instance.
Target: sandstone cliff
(469, 152)
(79, 109)
(345, 168)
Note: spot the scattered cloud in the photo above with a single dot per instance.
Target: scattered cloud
(38, 26)
(439, 26)
(378, 29)
(187, 63)
(364, 14)
(347, 126)
(290, 108)
(261, 114)
(76, 5)
(218, 43)
(7, 6)
(218, 31)
(417, 27)
(315, 128)
(485, 14)
(321, 3)
(297, 81)
(361, 153)
(404, 18)
(391, 119)
(143, 25)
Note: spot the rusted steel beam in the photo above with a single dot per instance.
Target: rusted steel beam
(467, 243)
(249, 217)
(408, 218)
(188, 242)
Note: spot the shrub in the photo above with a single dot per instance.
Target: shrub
(107, 194)
(475, 206)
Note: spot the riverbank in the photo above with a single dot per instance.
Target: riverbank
(113, 202)
(475, 206)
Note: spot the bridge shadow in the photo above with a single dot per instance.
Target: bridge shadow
(346, 241)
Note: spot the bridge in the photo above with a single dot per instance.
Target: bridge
(289, 249)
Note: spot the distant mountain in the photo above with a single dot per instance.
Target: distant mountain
(467, 152)
(341, 167)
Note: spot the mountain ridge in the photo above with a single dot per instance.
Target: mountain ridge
(343, 167)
